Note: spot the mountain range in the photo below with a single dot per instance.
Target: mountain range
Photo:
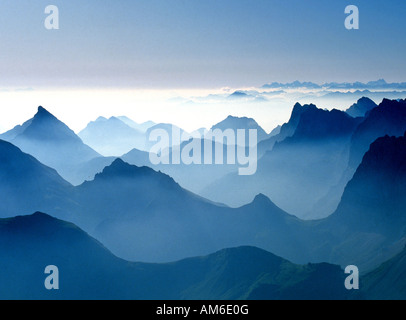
(112, 137)
(379, 84)
(143, 214)
(298, 165)
(87, 270)
(305, 168)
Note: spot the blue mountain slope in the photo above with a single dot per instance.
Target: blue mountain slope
(138, 203)
(361, 108)
(389, 118)
(28, 185)
(87, 270)
(51, 142)
(297, 171)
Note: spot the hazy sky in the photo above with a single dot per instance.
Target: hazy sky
(180, 44)
(199, 43)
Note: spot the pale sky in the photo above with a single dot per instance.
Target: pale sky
(129, 56)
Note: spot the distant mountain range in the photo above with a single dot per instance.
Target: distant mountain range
(54, 144)
(379, 84)
(298, 165)
(112, 137)
(141, 214)
(305, 168)
(196, 177)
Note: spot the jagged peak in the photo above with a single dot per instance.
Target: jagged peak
(121, 168)
(42, 112)
(260, 197)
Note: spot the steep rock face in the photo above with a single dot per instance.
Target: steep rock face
(361, 108)
(374, 199)
(287, 129)
(317, 124)
(389, 118)
(298, 170)
(369, 225)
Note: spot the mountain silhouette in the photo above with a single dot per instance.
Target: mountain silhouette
(386, 119)
(235, 123)
(143, 127)
(137, 203)
(195, 176)
(316, 124)
(237, 95)
(112, 137)
(389, 118)
(373, 199)
(28, 185)
(142, 214)
(51, 142)
(310, 158)
(361, 108)
(369, 223)
(378, 84)
(286, 130)
(39, 240)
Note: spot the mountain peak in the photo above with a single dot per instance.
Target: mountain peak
(120, 168)
(35, 222)
(100, 119)
(316, 123)
(238, 94)
(235, 123)
(119, 163)
(261, 198)
(42, 112)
